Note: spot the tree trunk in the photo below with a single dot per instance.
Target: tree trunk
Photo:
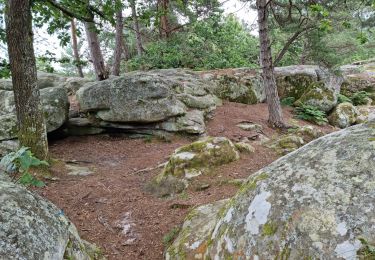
(77, 60)
(118, 47)
(164, 29)
(136, 28)
(273, 101)
(95, 51)
(31, 122)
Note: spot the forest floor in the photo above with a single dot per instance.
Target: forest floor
(111, 207)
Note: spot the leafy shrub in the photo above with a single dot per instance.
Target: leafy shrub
(288, 101)
(342, 99)
(311, 114)
(211, 43)
(360, 98)
(17, 165)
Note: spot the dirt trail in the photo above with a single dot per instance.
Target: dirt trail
(111, 208)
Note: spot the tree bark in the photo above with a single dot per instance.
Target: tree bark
(77, 60)
(136, 28)
(273, 101)
(119, 42)
(164, 29)
(95, 51)
(31, 122)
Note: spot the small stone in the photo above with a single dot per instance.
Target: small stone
(76, 170)
(244, 147)
(250, 127)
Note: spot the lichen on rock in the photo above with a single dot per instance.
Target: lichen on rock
(315, 203)
(192, 160)
(344, 115)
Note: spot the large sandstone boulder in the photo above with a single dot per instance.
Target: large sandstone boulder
(344, 115)
(192, 160)
(170, 100)
(241, 85)
(33, 228)
(50, 80)
(55, 104)
(321, 96)
(358, 77)
(315, 203)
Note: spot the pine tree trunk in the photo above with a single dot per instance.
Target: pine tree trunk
(273, 101)
(31, 123)
(95, 51)
(77, 60)
(119, 42)
(164, 23)
(136, 28)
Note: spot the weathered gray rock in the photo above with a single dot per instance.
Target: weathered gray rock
(55, 104)
(33, 228)
(358, 77)
(321, 96)
(315, 203)
(192, 160)
(170, 100)
(344, 115)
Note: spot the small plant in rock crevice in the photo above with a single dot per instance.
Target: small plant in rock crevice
(171, 235)
(311, 114)
(360, 98)
(17, 165)
(342, 99)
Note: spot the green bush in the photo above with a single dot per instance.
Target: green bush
(17, 165)
(360, 98)
(288, 101)
(342, 99)
(212, 43)
(311, 114)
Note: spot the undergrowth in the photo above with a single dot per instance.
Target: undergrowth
(311, 114)
(17, 165)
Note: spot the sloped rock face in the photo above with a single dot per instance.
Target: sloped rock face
(55, 104)
(33, 228)
(171, 100)
(192, 160)
(315, 203)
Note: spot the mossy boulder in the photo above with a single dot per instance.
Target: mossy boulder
(246, 90)
(316, 203)
(296, 138)
(320, 96)
(192, 160)
(344, 115)
(33, 228)
(364, 113)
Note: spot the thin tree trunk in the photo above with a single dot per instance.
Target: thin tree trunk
(95, 51)
(125, 48)
(136, 28)
(164, 29)
(77, 60)
(273, 101)
(118, 47)
(31, 122)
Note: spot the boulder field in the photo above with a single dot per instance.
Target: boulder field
(315, 203)
(180, 101)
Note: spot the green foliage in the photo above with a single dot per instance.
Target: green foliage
(367, 251)
(170, 236)
(311, 114)
(342, 99)
(17, 164)
(288, 101)
(360, 98)
(4, 69)
(212, 43)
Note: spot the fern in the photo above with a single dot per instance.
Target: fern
(360, 98)
(288, 101)
(311, 114)
(342, 99)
